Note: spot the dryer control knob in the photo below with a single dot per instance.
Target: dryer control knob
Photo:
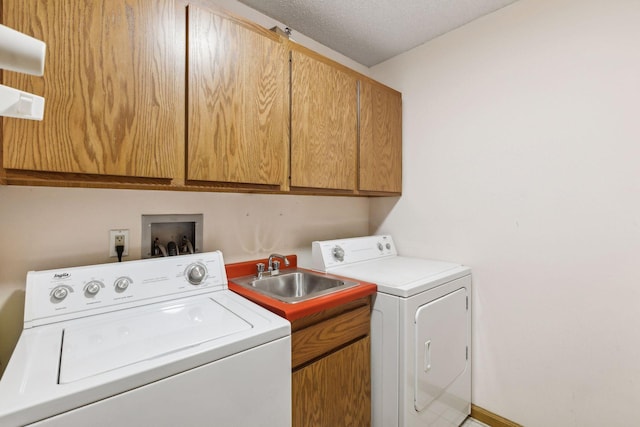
(338, 253)
(380, 246)
(196, 273)
(388, 245)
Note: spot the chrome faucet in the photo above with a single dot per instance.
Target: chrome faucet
(274, 266)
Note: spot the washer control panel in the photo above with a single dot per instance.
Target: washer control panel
(62, 294)
(332, 253)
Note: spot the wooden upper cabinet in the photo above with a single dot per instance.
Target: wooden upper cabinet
(113, 86)
(323, 123)
(159, 93)
(380, 138)
(238, 101)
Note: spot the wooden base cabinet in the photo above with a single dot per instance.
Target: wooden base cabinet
(335, 390)
(331, 359)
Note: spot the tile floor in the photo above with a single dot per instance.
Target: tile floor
(470, 422)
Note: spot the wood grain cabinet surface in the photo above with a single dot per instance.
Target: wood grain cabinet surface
(171, 94)
(331, 379)
(238, 101)
(324, 138)
(380, 138)
(335, 390)
(112, 87)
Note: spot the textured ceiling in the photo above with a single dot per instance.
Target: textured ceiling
(372, 31)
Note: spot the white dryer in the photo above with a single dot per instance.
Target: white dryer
(156, 342)
(420, 330)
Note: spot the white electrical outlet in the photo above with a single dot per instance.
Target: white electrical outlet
(117, 237)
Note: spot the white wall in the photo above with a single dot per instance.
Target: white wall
(522, 160)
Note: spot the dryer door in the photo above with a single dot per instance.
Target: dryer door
(440, 346)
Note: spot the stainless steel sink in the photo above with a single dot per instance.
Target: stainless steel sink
(292, 286)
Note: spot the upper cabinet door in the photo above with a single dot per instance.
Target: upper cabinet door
(238, 101)
(380, 138)
(112, 83)
(323, 124)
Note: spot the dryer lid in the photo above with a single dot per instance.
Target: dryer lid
(404, 276)
(100, 345)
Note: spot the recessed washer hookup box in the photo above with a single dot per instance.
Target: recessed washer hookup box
(171, 235)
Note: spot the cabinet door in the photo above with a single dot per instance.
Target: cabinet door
(323, 124)
(380, 138)
(335, 390)
(238, 101)
(112, 85)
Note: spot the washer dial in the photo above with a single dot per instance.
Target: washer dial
(196, 273)
(92, 288)
(59, 293)
(121, 284)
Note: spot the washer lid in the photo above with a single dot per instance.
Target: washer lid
(404, 276)
(95, 347)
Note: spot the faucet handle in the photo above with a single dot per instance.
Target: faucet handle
(276, 266)
(260, 267)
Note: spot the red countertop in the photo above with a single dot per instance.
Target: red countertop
(301, 309)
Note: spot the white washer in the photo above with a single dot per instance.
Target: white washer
(420, 330)
(156, 342)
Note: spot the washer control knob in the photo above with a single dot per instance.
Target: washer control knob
(196, 273)
(59, 293)
(379, 246)
(122, 284)
(338, 253)
(388, 245)
(92, 288)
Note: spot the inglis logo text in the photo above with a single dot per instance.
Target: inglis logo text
(61, 275)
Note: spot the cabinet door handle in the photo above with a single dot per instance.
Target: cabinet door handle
(427, 355)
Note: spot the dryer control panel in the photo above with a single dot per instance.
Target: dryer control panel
(332, 253)
(67, 293)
